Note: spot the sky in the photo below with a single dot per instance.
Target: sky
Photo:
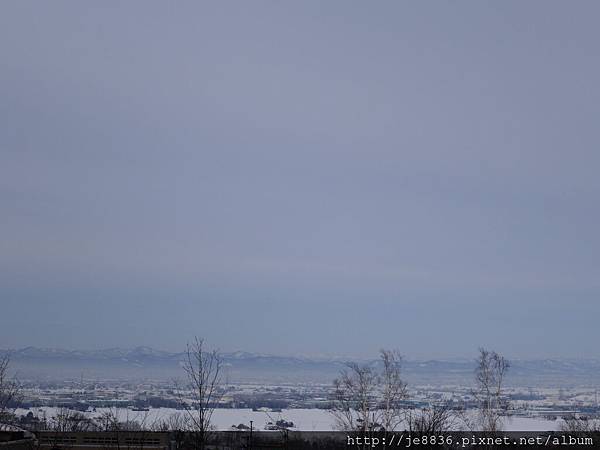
(301, 177)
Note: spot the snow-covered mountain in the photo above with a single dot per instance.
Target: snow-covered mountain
(148, 363)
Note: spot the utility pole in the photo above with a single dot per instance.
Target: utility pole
(251, 443)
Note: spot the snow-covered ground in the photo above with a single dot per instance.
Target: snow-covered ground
(303, 419)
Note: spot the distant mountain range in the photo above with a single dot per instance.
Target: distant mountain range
(148, 363)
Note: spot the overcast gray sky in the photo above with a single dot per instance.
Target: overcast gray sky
(308, 177)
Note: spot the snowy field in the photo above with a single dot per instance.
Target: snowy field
(303, 419)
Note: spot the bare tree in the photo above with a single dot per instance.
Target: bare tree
(9, 389)
(177, 425)
(203, 369)
(68, 421)
(174, 422)
(430, 421)
(354, 397)
(393, 390)
(109, 420)
(115, 420)
(123, 431)
(580, 425)
(492, 403)
(366, 399)
(59, 427)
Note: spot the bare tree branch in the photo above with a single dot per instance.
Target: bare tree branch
(203, 369)
(367, 399)
(489, 393)
(10, 390)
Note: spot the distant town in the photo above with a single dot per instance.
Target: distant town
(147, 386)
(88, 395)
